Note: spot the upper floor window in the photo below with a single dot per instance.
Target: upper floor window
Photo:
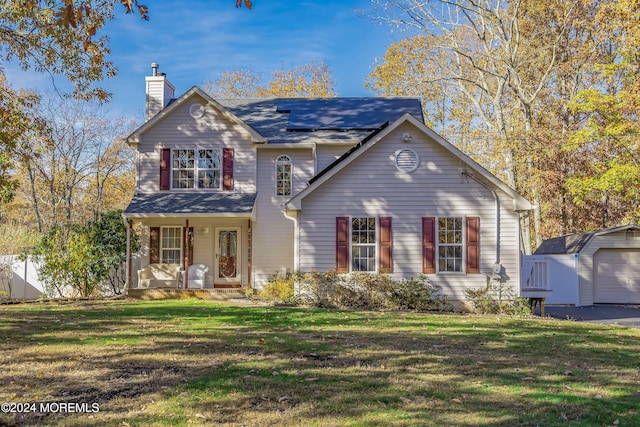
(200, 169)
(283, 175)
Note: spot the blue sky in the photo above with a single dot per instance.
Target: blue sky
(194, 41)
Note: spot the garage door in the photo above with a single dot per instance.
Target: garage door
(616, 276)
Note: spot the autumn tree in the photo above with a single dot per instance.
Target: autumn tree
(234, 84)
(407, 69)
(478, 50)
(609, 111)
(15, 124)
(76, 168)
(552, 88)
(313, 80)
(60, 38)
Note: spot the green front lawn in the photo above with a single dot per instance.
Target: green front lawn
(192, 362)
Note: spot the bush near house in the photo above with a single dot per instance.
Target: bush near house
(496, 298)
(83, 260)
(280, 290)
(356, 290)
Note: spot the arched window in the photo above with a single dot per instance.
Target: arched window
(284, 169)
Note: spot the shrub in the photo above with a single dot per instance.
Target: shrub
(497, 298)
(370, 291)
(315, 288)
(79, 259)
(419, 294)
(364, 290)
(279, 289)
(248, 292)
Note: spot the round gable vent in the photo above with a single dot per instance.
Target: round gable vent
(196, 110)
(406, 160)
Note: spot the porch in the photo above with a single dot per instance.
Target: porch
(212, 232)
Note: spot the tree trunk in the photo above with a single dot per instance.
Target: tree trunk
(34, 196)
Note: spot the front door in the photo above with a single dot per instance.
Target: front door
(227, 256)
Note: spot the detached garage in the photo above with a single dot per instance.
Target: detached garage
(607, 267)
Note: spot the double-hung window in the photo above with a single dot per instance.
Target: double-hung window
(199, 169)
(171, 245)
(363, 244)
(450, 244)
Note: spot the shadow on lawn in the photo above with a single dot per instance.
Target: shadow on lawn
(330, 365)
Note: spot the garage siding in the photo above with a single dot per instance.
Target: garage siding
(620, 241)
(616, 277)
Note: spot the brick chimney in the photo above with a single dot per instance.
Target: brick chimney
(159, 91)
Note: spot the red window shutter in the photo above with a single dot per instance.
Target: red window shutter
(342, 244)
(428, 245)
(189, 242)
(227, 169)
(154, 245)
(473, 244)
(165, 169)
(385, 244)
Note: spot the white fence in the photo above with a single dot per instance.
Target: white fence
(535, 273)
(20, 279)
(557, 274)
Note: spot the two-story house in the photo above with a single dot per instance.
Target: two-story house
(253, 188)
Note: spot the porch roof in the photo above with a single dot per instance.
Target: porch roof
(173, 203)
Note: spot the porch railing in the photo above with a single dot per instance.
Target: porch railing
(535, 273)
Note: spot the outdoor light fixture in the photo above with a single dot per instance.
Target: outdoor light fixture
(406, 137)
(630, 234)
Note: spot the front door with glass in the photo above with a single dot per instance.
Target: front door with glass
(227, 256)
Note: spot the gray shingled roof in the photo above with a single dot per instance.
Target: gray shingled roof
(172, 203)
(575, 243)
(295, 120)
(568, 244)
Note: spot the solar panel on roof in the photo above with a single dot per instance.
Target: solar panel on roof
(345, 113)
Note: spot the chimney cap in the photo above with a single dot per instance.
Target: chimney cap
(154, 67)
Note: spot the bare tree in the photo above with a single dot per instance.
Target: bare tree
(481, 50)
(68, 167)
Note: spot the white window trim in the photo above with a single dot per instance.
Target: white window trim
(375, 244)
(162, 248)
(195, 168)
(284, 162)
(463, 244)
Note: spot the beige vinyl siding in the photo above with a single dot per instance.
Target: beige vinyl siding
(180, 130)
(273, 233)
(327, 154)
(372, 186)
(203, 242)
(616, 276)
(617, 240)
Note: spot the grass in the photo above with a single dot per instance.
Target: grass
(192, 362)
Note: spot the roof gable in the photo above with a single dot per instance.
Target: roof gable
(520, 203)
(134, 137)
